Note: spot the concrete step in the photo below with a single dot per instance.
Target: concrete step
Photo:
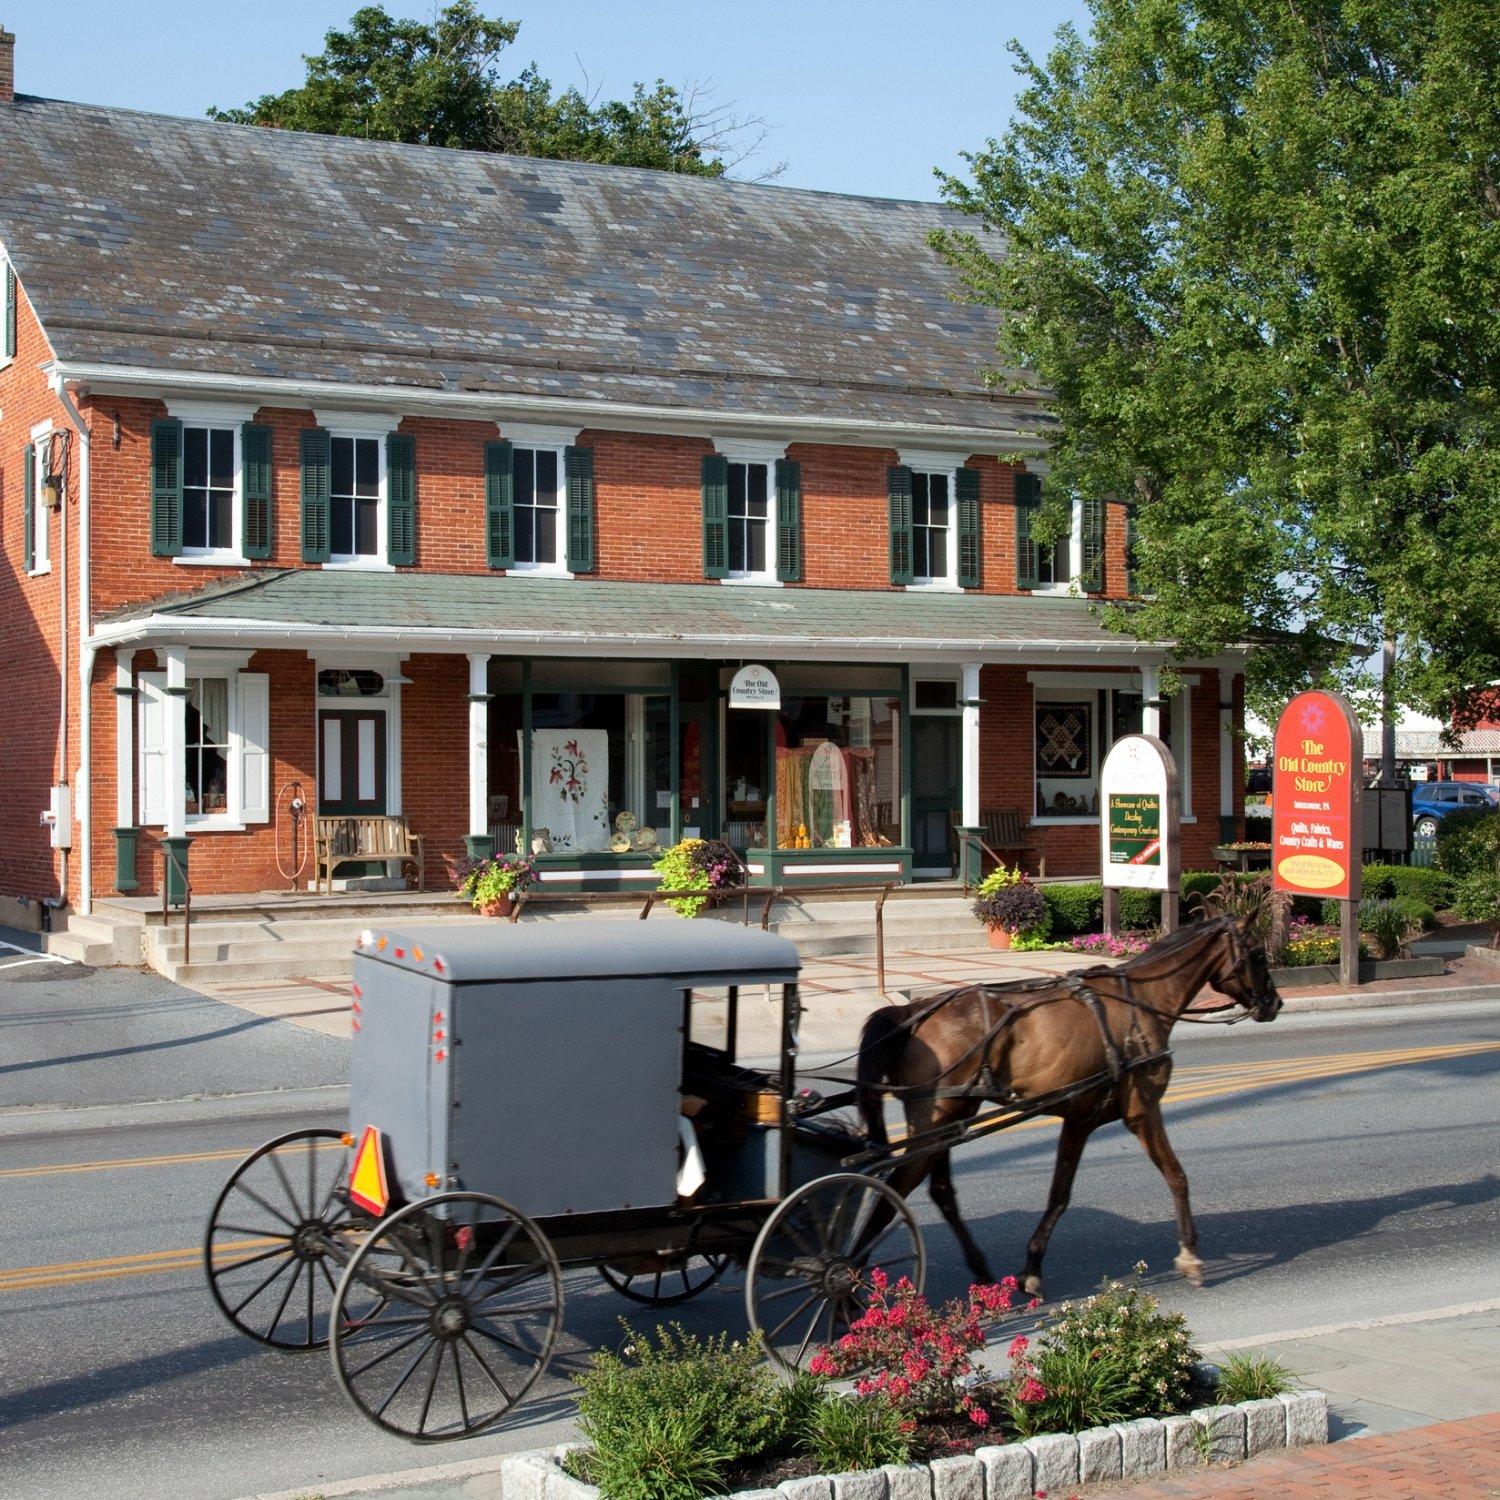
(95, 940)
(80, 949)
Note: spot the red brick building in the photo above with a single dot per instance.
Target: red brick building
(461, 487)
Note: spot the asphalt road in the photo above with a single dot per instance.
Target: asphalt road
(1343, 1167)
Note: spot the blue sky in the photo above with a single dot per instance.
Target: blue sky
(863, 96)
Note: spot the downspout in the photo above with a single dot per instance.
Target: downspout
(84, 784)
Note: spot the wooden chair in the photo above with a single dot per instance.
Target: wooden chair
(351, 840)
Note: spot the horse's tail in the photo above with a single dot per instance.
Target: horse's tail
(882, 1040)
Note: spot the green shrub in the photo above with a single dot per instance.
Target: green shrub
(1478, 898)
(1468, 843)
(1068, 1390)
(1252, 1377)
(1416, 911)
(1391, 882)
(1074, 908)
(1375, 909)
(1140, 909)
(1121, 1322)
(856, 1432)
(666, 1416)
(1387, 926)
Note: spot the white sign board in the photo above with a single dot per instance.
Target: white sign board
(755, 687)
(1139, 812)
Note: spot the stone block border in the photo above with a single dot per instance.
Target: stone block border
(1016, 1471)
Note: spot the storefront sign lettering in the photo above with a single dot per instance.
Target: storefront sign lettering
(1315, 792)
(755, 687)
(1139, 827)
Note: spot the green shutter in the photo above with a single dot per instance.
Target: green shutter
(966, 490)
(401, 499)
(715, 516)
(317, 478)
(1028, 502)
(166, 488)
(898, 483)
(499, 499)
(10, 311)
(28, 505)
(255, 463)
(788, 520)
(1092, 581)
(1131, 543)
(578, 463)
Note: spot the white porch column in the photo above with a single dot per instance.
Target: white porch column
(1226, 753)
(175, 749)
(1150, 696)
(479, 753)
(124, 739)
(969, 756)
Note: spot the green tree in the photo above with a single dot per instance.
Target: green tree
(439, 83)
(1251, 249)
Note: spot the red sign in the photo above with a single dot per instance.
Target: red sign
(1315, 789)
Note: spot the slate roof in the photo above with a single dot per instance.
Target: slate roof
(1429, 744)
(598, 617)
(189, 245)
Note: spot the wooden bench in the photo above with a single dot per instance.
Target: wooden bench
(349, 840)
(1006, 839)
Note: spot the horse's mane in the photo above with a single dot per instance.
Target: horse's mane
(1189, 932)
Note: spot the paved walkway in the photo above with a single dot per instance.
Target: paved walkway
(1448, 1461)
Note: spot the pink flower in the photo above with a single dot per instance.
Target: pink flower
(979, 1416)
(1018, 1346)
(822, 1364)
(1031, 1391)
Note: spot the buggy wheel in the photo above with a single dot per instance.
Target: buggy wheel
(665, 1280)
(809, 1273)
(275, 1225)
(446, 1315)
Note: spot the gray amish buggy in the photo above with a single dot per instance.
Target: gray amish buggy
(525, 1100)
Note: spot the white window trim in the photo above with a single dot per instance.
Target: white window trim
(376, 430)
(558, 569)
(41, 512)
(948, 583)
(767, 451)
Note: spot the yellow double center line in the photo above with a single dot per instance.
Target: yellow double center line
(1189, 1084)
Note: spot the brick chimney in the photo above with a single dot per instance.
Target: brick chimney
(7, 66)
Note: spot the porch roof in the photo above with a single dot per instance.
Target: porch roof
(313, 607)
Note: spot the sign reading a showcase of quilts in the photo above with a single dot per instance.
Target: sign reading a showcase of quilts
(1139, 815)
(755, 687)
(1315, 798)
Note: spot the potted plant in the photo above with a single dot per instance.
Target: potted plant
(698, 865)
(1008, 904)
(492, 885)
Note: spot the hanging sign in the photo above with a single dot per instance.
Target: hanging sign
(1140, 809)
(755, 687)
(1316, 827)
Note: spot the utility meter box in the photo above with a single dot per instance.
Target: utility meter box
(58, 818)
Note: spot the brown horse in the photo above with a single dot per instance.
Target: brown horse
(1008, 1044)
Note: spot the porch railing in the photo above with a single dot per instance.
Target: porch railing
(170, 861)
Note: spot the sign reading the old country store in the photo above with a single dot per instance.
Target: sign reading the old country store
(755, 687)
(1138, 798)
(1315, 796)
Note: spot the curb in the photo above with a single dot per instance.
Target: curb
(1143, 1448)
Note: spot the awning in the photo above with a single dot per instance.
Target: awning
(378, 611)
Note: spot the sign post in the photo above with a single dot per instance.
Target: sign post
(1140, 803)
(1317, 822)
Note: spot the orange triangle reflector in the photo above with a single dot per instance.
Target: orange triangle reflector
(367, 1185)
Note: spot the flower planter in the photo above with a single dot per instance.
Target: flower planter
(1054, 1462)
(501, 906)
(999, 937)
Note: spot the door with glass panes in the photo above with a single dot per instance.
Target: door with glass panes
(351, 762)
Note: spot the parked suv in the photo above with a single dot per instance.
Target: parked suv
(1432, 801)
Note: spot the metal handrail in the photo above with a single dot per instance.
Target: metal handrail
(169, 854)
(974, 838)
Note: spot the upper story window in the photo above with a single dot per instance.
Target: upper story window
(539, 507)
(355, 519)
(1054, 560)
(932, 526)
(208, 490)
(37, 508)
(1074, 560)
(751, 521)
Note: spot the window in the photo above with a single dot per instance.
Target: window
(749, 520)
(354, 498)
(208, 490)
(1054, 561)
(40, 509)
(7, 312)
(207, 746)
(932, 520)
(538, 506)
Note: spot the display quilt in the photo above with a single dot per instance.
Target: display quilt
(570, 788)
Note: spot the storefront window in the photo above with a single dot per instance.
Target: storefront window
(1074, 728)
(838, 776)
(207, 746)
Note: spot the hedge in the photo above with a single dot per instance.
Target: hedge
(1468, 843)
(1432, 888)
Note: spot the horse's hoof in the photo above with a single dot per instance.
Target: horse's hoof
(1032, 1286)
(1190, 1268)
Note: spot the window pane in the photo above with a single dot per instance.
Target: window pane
(194, 457)
(736, 489)
(367, 466)
(525, 523)
(194, 519)
(211, 790)
(838, 773)
(341, 532)
(546, 477)
(755, 485)
(221, 520)
(919, 499)
(756, 538)
(367, 528)
(524, 468)
(212, 702)
(546, 536)
(937, 554)
(937, 498)
(343, 469)
(737, 545)
(221, 458)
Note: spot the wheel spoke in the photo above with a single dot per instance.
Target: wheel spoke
(256, 1198)
(484, 1365)
(265, 1234)
(488, 1263)
(437, 1369)
(796, 1312)
(806, 1338)
(785, 1291)
(458, 1375)
(386, 1354)
(312, 1287)
(250, 1260)
(286, 1183)
(286, 1297)
(404, 1376)
(239, 1307)
(505, 1343)
(522, 1277)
